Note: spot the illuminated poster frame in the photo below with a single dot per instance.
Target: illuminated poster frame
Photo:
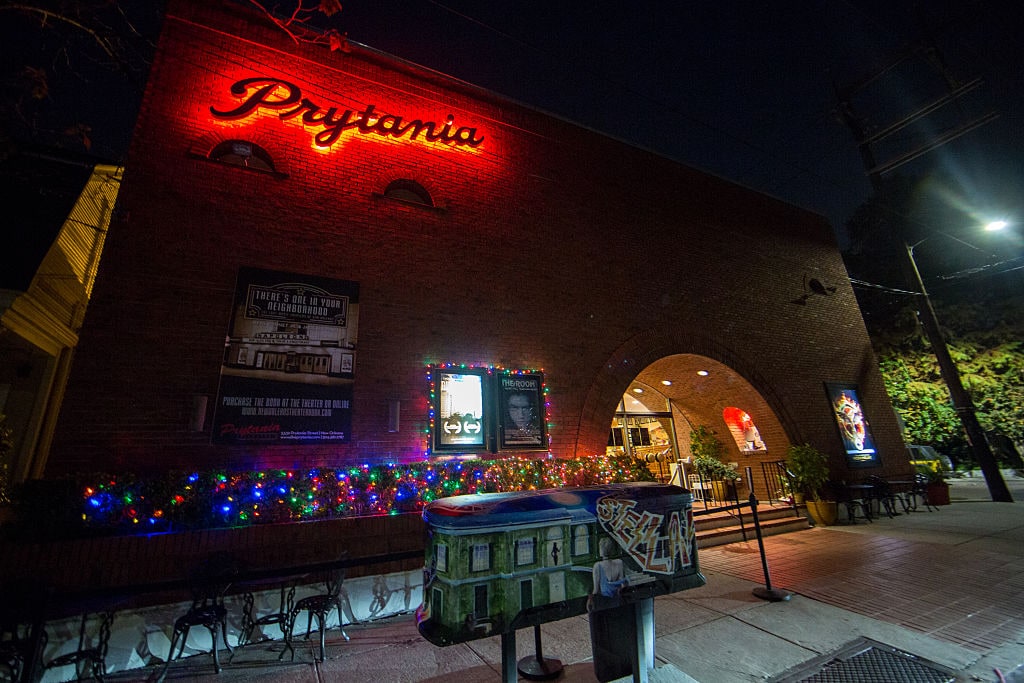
(854, 429)
(461, 409)
(521, 412)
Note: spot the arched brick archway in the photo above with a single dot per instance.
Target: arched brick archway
(651, 356)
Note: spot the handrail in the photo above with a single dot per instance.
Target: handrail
(737, 505)
(778, 480)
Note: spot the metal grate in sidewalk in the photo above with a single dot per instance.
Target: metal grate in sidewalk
(867, 661)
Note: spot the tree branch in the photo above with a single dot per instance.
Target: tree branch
(46, 15)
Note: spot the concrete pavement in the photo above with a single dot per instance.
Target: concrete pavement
(945, 586)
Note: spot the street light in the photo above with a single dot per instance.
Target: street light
(962, 403)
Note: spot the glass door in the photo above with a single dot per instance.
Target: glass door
(643, 427)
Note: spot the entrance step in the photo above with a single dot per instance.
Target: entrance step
(721, 528)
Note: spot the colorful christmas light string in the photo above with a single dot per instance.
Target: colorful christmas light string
(212, 499)
(225, 499)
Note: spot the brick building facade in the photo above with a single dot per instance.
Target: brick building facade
(514, 240)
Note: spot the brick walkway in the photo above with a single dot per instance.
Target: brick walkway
(970, 594)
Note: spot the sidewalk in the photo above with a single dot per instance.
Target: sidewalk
(946, 586)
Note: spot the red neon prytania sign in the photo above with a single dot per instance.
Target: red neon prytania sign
(274, 94)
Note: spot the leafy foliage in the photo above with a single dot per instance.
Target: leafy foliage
(809, 468)
(975, 284)
(707, 452)
(984, 339)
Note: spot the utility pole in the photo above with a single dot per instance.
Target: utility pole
(962, 403)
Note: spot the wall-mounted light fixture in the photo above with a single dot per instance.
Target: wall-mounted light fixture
(813, 286)
(197, 418)
(394, 414)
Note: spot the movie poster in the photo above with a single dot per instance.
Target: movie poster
(289, 360)
(853, 427)
(521, 409)
(459, 410)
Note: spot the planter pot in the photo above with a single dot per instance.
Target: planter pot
(938, 493)
(823, 512)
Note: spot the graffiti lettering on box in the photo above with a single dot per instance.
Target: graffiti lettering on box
(658, 543)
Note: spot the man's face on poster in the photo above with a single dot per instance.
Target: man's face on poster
(520, 411)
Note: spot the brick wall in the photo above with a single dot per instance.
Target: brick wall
(555, 247)
(116, 563)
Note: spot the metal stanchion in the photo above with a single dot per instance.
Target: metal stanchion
(766, 592)
(535, 667)
(508, 658)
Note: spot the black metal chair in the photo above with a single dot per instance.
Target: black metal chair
(17, 649)
(94, 654)
(921, 491)
(209, 583)
(882, 494)
(22, 636)
(281, 617)
(855, 498)
(320, 606)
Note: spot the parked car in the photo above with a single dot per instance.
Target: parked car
(926, 456)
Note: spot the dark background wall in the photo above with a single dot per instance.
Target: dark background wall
(554, 247)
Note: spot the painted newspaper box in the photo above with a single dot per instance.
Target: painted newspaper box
(499, 562)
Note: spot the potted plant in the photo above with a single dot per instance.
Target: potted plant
(936, 487)
(714, 470)
(707, 451)
(808, 467)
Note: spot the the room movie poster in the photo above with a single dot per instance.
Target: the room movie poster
(521, 406)
(289, 360)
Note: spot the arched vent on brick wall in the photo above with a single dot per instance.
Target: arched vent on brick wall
(243, 153)
(406, 190)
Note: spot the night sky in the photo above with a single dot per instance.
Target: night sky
(742, 89)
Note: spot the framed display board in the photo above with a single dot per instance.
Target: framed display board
(521, 412)
(854, 429)
(460, 407)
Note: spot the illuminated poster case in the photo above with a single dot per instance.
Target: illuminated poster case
(854, 430)
(476, 410)
(289, 360)
(459, 410)
(521, 411)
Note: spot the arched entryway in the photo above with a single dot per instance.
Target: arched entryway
(652, 397)
(676, 394)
